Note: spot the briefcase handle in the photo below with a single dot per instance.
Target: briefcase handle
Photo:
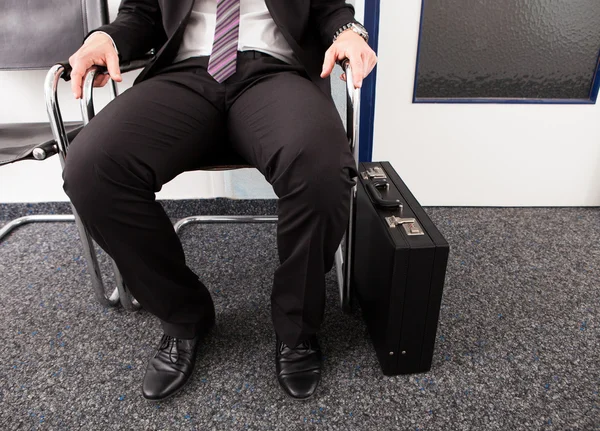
(388, 204)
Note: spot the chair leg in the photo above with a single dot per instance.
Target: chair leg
(223, 219)
(339, 268)
(90, 256)
(122, 294)
(345, 279)
(343, 255)
(128, 302)
(60, 136)
(7, 228)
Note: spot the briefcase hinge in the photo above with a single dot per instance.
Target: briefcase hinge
(410, 225)
(374, 173)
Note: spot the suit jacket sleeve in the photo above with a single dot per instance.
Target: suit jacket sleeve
(137, 29)
(330, 16)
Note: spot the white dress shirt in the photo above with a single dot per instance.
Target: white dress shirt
(258, 31)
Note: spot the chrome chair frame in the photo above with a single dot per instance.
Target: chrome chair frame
(120, 294)
(26, 55)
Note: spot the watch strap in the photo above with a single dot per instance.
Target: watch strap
(357, 28)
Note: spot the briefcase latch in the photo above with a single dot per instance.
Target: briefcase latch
(374, 173)
(410, 225)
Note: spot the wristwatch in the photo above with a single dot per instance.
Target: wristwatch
(356, 28)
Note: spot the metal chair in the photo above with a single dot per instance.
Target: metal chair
(38, 35)
(61, 141)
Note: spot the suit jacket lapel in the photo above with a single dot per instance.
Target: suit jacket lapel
(174, 13)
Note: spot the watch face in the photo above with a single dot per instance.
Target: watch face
(361, 30)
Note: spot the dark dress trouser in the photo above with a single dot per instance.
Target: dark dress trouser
(276, 119)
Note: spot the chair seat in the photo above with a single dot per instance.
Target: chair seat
(222, 159)
(18, 140)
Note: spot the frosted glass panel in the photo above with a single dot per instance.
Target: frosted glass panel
(508, 49)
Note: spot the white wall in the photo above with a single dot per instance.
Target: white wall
(478, 154)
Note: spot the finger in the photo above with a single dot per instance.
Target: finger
(343, 77)
(112, 64)
(366, 65)
(77, 79)
(101, 80)
(329, 63)
(98, 78)
(372, 62)
(356, 64)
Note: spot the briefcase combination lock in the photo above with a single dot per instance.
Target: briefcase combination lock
(410, 225)
(374, 173)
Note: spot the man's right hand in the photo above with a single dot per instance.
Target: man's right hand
(97, 50)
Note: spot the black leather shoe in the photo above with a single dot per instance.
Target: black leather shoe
(299, 368)
(172, 366)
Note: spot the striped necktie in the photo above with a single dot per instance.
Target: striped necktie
(222, 61)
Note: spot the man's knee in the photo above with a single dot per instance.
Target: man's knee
(322, 170)
(79, 179)
(89, 177)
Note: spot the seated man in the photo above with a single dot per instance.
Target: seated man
(246, 74)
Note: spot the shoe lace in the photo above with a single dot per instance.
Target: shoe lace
(168, 343)
(302, 347)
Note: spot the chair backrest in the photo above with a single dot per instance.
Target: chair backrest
(35, 34)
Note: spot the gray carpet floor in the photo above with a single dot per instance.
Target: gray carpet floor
(518, 343)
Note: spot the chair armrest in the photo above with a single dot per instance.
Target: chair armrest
(63, 70)
(353, 93)
(352, 109)
(124, 66)
(87, 101)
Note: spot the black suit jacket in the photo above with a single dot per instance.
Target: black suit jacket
(307, 25)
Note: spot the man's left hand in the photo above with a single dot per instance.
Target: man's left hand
(352, 46)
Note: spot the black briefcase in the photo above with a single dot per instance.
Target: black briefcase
(399, 266)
